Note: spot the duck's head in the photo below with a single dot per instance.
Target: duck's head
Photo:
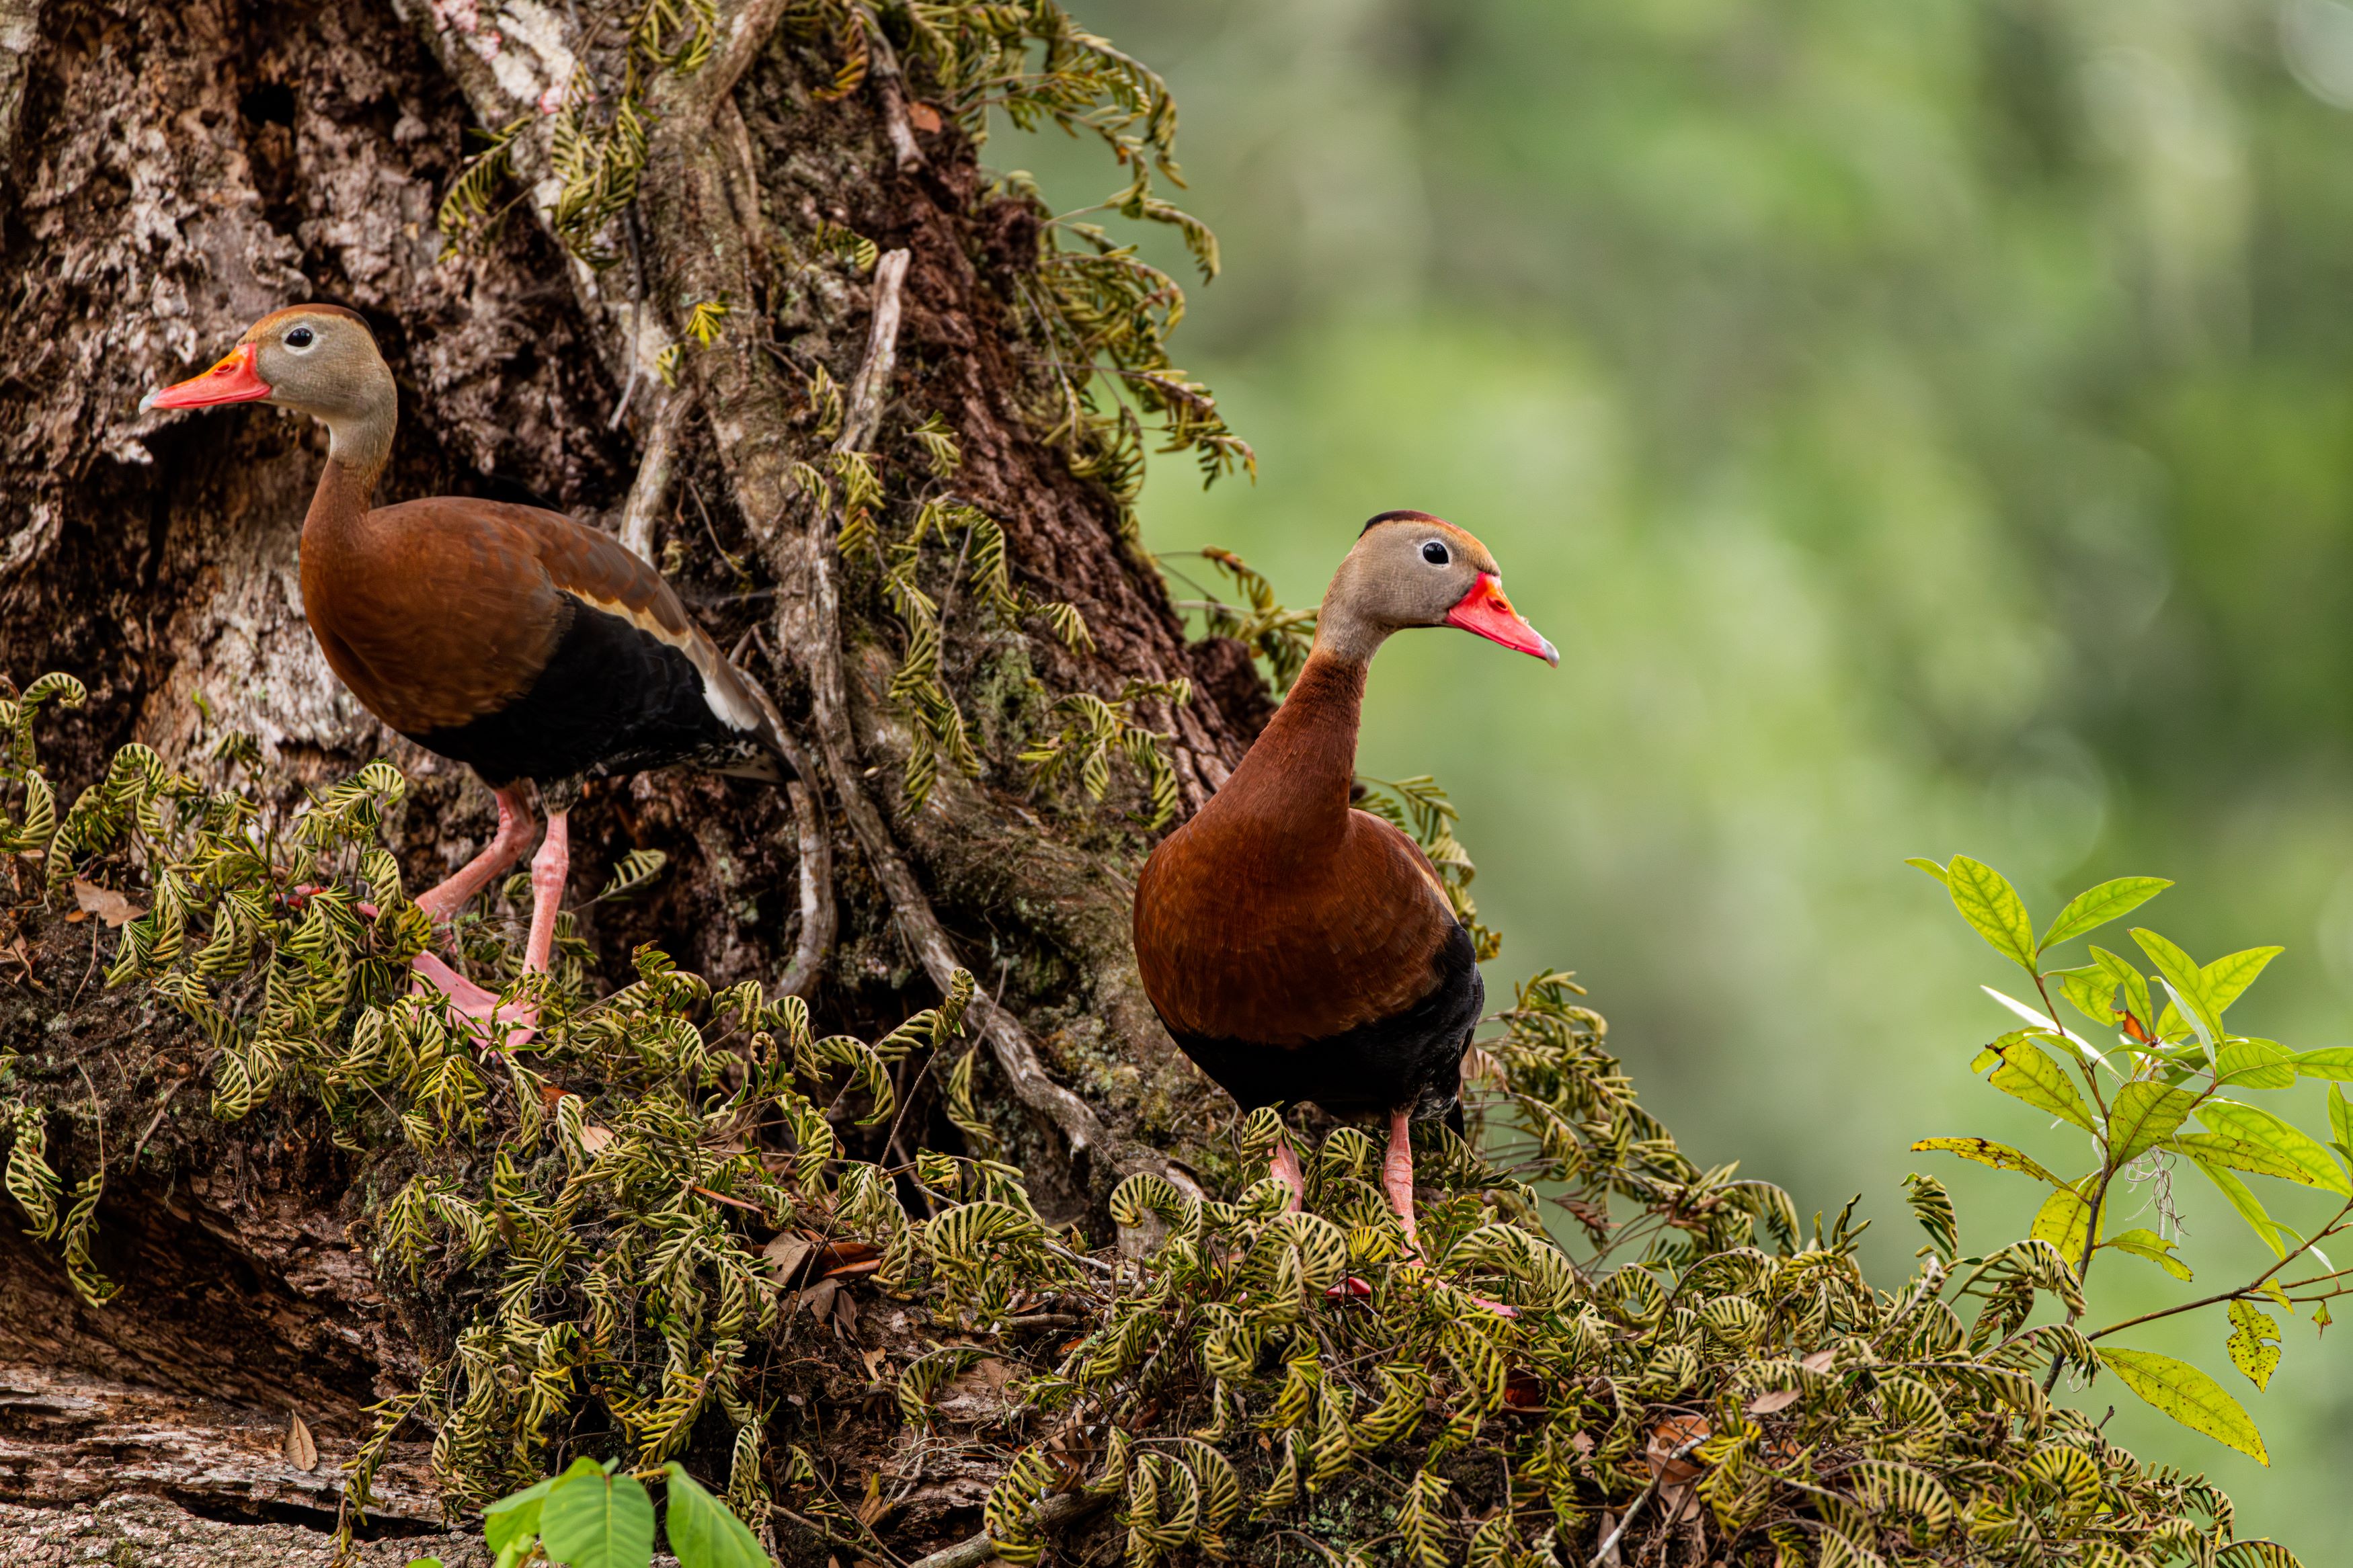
(320, 360)
(1410, 569)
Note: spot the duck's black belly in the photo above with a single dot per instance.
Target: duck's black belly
(613, 700)
(1411, 1062)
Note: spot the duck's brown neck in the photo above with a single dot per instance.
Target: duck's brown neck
(358, 448)
(1294, 783)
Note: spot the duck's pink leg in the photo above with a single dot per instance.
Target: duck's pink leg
(503, 850)
(1397, 1178)
(1396, 1175)
(1286, 1171)
(513, 1027)
(549, 869)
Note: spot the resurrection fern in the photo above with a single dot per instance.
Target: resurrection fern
(1241, 1373)
(1094, 729)
(1096, 317)
(1280, 636)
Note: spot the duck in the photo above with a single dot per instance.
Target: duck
(1300, 950)
(526, 645)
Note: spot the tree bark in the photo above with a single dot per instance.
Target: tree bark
(170, 171)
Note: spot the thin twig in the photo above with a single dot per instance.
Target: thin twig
(1610, 1545)
(2247, 1289)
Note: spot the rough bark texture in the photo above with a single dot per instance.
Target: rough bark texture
(170, 171)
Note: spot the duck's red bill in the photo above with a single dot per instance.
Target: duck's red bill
(1486, 611)
(234, 380)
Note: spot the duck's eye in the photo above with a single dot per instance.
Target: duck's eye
(1435, 554)
(299, 337)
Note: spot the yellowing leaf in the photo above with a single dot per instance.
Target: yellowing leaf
(2189, 1397)
(2327, 1062)
(2156, 1248)
(2096, 907)
(2255, 1064)
(2218, 1149)
(2250, 1207)
(2065, 1221)
(1986, 1151)
(2031, 1073)
(1923, 863)
(2319, 1167)
(2144, 1113)
(1989, 903)
(2254, 1341)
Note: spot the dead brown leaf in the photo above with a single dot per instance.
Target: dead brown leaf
(786, 1252)
(847, 1258)
(1818, 1362)
(595, 1138)
(1674, 1433)
(923, 117)
(872, 1360)
(105, 903)
(299, 1450)
(819, 1298)
(1780, 1399)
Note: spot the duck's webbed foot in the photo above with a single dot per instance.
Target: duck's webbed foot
(510, 1029)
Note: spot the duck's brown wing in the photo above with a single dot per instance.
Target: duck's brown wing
(526, 645)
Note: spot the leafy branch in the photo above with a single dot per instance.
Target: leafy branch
(2168, 1090)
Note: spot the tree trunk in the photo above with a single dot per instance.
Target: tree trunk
(170, 171)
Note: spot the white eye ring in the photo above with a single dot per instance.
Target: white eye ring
(1434, 551)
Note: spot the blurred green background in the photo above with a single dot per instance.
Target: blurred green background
(1924, 428)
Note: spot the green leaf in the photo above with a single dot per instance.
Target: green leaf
(2239, 1154)
(2255, 1064)
(2228, 977)
(2156, 1248)
(1989, 903)
(2327, 1062)
(2029, 1073)
(2340, 1116)
(2188, 981)
(2250, 1207)
(2096, 907)
(2065, 1220)
(2144, 1113)
(424, 1563)
(592, 1519)
(1925, 864)
(2189, 1397)
(2250, 1328)
(1986, 1151)
(2134, 983)
(2257, 1126)
(703, 1531)
(516, 1517)
(2091, 990)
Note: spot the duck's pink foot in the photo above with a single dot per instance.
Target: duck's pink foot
(510, 1030)
(1286, 1171)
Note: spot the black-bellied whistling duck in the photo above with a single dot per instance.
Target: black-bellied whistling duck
(1300, 950)
(515, 640)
